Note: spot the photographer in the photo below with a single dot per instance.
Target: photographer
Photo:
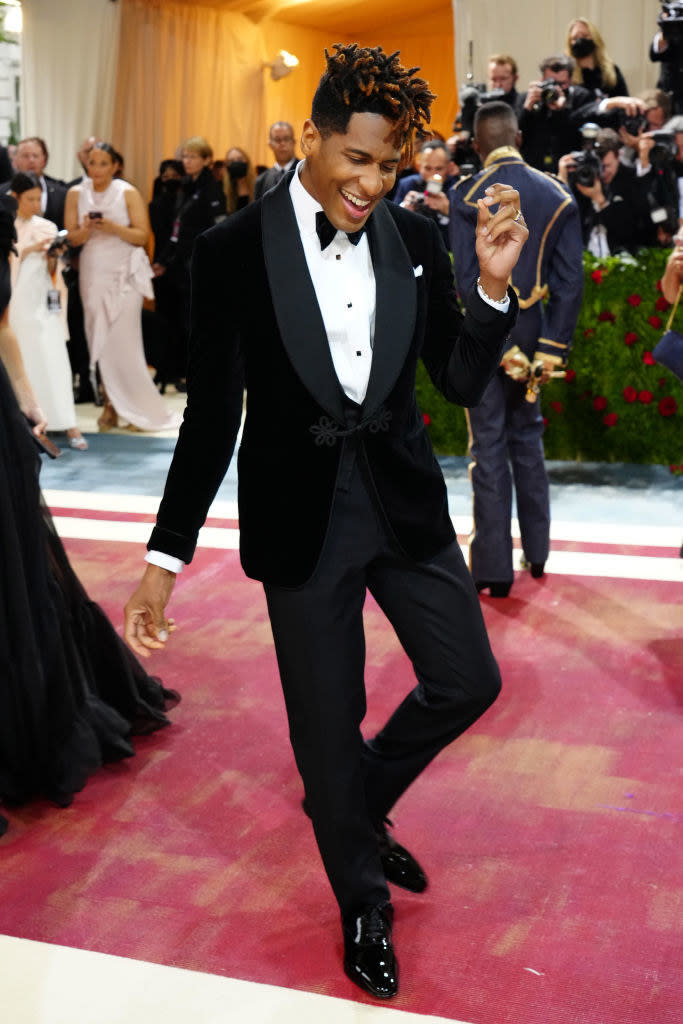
(426, 191)
(667, 50)
(502, 78)
(554, 109)
(612, 200)
(651, 149)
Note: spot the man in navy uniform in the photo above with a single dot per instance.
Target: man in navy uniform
(321, 298)
(507, 429)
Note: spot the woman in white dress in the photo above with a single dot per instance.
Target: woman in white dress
(107, 216)
(37, 311)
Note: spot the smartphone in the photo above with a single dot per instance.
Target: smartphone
(43, 442)
(95, 215)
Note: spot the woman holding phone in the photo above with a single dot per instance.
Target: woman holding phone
(107, 217)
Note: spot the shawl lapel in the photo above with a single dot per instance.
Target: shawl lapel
(298, 315)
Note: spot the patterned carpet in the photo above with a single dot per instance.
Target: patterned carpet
(550, 832)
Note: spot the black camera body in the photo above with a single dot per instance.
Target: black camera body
(587, 168)
(551, 90)
(670, 20)
(471, 98)
(665, 148)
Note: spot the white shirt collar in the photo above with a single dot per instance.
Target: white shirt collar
(305, 206)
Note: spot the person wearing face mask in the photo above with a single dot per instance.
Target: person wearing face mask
(238, 179)
(595, 69)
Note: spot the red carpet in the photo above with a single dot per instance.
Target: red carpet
(551, 832)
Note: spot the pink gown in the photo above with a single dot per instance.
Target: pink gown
(114, 276)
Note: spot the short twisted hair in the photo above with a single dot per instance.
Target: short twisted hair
(366, 80)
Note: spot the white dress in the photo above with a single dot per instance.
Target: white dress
(114, 276)
(41, 334)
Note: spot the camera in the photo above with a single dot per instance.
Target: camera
(634, 125)
(670, 20)
(587, 168)
(664, 150)
(551, 90)
(471, 98)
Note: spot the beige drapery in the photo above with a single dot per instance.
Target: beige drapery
(69, 68)
(195, 69)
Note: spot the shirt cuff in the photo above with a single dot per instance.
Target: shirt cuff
(168, 562)
(502, 305)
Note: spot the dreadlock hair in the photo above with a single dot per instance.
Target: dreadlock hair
(366, 80)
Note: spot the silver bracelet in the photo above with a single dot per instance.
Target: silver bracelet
(494, 302)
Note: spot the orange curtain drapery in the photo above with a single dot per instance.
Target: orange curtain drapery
(199, 69)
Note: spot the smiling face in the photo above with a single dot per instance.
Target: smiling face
(349, 174)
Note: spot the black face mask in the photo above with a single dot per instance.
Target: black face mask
(237, 169)
(171, 184)
(582, 47)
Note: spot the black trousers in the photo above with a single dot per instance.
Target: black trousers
(351, 784)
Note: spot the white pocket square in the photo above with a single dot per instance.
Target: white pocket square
(418, 271)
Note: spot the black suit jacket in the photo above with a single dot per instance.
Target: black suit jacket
(56, 198)
(256, 320)
(269, 179)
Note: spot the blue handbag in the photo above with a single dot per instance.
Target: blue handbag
(669, 349)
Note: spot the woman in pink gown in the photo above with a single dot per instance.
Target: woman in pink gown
(107, 217)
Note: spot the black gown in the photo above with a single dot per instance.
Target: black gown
(71, 693)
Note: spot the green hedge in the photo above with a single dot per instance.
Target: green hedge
(616, 404)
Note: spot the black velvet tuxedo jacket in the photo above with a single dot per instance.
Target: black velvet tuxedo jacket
(256, 323)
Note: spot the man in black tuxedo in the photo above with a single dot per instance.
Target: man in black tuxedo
(281, 141)
(32, 156)
(339, 490)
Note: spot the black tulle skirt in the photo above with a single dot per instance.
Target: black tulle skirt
(71, 693)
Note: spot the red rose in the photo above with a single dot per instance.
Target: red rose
(662, 382)
(654, 321)
(610, 419)
(645, 397)
(556, 406)
(599, 403)
(426, 418)
(661, 304)
(589, 332)
(570, 376)
(648, 359)
(545, 422)
(634, 300)
(658, 286)
(597, 276)
(606, 315)
(630, 394)
(667, 406)
(630, 337)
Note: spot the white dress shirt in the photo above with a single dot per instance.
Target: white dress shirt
(344, 283)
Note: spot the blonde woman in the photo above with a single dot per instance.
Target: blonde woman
(238, 179)
(595, 69)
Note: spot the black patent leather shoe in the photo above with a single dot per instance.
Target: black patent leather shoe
(496, 588)
(538, 570)
(400, 867)
(369, 958)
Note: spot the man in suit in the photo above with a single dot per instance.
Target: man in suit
(506, 427)
(339, 489)
(281, 141)
(32, 156)
(426, 192)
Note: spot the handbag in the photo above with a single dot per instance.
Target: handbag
(669, 349)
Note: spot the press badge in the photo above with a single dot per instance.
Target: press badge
(54, 301)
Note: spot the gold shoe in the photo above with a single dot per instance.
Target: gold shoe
(108, 418)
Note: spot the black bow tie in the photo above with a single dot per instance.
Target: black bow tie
(326, 231)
